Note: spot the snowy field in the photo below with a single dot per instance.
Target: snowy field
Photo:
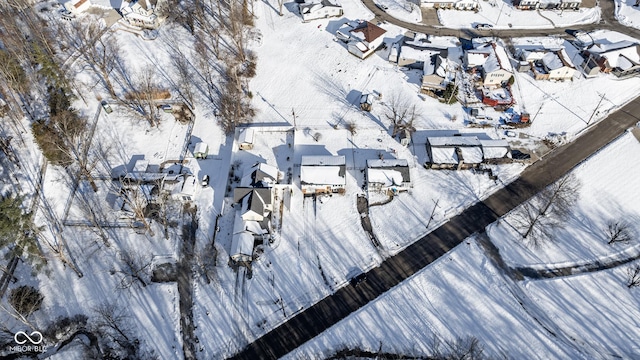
(460, 295)
(403, 10)
(502, 15)
(627, 14)
(609, 191)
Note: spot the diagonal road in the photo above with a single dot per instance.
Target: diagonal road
(324, 314)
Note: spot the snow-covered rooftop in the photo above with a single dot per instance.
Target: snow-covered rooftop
(322, 160)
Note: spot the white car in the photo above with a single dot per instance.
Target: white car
(382, 7)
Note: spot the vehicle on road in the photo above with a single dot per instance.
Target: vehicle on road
(205, 181)
(483, 26)
(358, 279)
(382, 7)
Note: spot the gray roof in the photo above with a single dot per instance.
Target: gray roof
(399, 165)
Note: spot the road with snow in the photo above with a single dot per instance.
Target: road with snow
(324, 314)
(608, 22)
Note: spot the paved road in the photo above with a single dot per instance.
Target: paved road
(608, 22)
(319, 317)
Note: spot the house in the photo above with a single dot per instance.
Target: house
(201, 151)
(77, 6)
(590, 66)
(465, 151)
(391, 175)
(526, 4)
(436, 75)
(621, 58)
(492, 63)
(322, 174)
(450, 4)
(319, 10)
(497, 96)
(364, 38)
(261, 175)
(256, 203)
(246, 138)
(548, 64)
(185, 189)
(140, 13)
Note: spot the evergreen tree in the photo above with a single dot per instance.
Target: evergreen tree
(18, 233)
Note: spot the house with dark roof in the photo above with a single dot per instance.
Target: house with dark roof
(319, 10)
(363, 37)
(261, 175)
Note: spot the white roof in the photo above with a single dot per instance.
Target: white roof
(140, 165)
(444, 155)
(378, 163)
(491, 56)
(322, 175)
(242, 244)
(246, 136)
(323, 160)
(200, 148)
(471, 155)
(495, 149)
(439, 141)
(621, 54)
(188, 185)
(386, 177)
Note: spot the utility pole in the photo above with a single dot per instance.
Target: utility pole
(596, 109)
(293, 112)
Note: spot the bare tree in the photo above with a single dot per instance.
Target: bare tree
(537, 218)
(143, 92)
(618, 231)
(136, 201)
(633, 277)
(134, 268)
(468, 348)
(401, 114)
(111, 323)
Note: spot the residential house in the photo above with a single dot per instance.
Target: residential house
(140, 13)
(621, 58)
(450, 4)
(256, 203)
(548, 64)
(322, 174)
(391, 175)
(185, 189)
(261, 175)
(246, 139)
(490, 60)
(77, 6)
(464, 151)
(319, 10)
(437, 72)
(526, 4)
(364, 39)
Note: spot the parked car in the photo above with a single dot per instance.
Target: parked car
(358, 279)
(205, 181)
(382, 7)
(106, 107)
(484, 26)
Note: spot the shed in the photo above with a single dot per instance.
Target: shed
(366, 102)
(201, 151)
(246, 139)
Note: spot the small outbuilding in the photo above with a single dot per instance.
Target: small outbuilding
(201, 151)
(366, 102)
(246, 139)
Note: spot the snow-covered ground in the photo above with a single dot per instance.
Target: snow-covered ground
(404, 10)
(609, 192)
(502, 15)
(627, 14)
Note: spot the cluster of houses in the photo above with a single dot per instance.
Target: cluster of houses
(547, 4)
(465, 151)
(139, 13)
(449, 4)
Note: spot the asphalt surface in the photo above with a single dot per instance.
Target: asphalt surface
(319, 317)
(311, 322)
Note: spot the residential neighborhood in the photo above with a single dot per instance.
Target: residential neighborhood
(319, 179)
